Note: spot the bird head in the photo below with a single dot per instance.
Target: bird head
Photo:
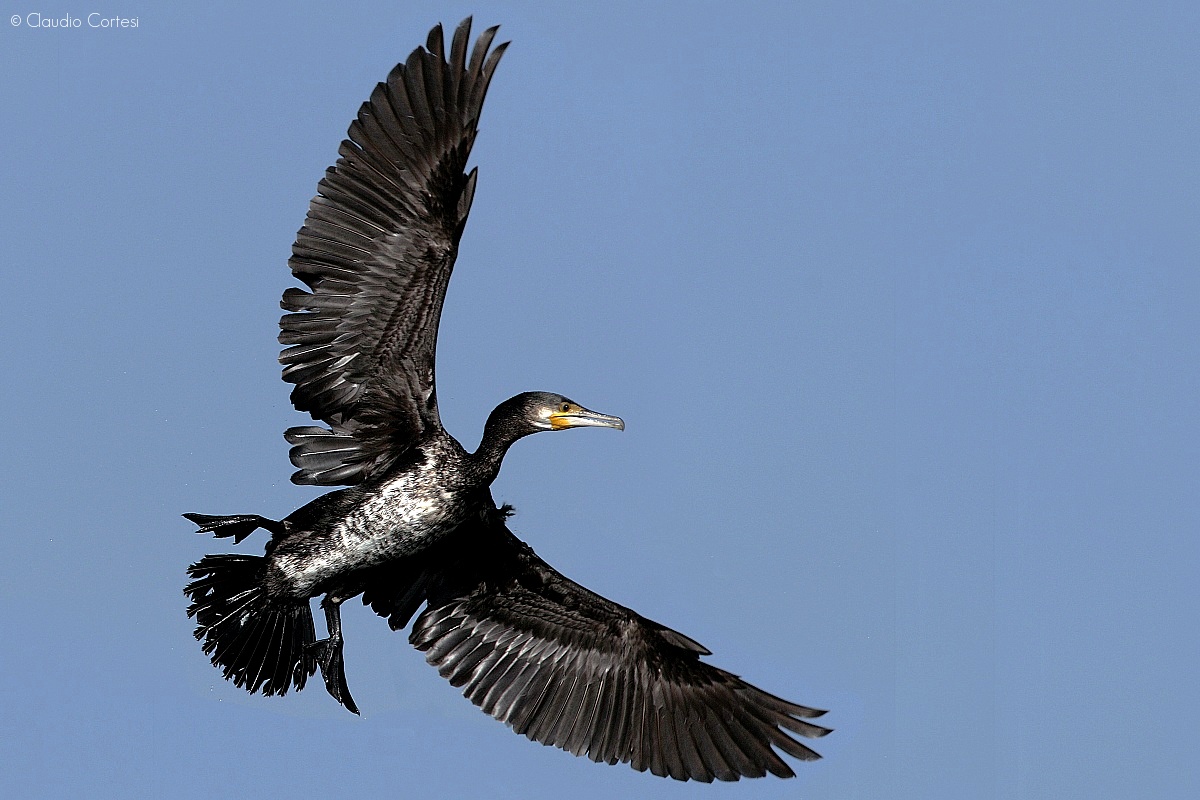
(545, 411)
(532, 412)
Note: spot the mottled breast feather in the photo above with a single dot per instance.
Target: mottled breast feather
(376, 252)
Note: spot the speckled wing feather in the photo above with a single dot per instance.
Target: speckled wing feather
(566, 667)
(376, 252)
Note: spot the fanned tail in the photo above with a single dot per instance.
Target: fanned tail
(260, 644)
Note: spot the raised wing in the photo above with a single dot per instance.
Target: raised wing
(566, 667)
(376, 252)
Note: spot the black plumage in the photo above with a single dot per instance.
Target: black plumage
(417, 526)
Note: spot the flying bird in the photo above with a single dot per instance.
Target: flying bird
(417, 526)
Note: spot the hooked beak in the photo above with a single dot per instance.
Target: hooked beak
(583, 418)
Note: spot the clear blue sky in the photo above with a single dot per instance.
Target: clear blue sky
(900, 303)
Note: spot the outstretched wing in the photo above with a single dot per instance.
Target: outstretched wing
(566, 667)
(376, 252)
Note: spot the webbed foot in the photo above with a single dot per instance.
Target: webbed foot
(328, 655)
(239, 526)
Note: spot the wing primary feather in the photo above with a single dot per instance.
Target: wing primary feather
(558, 691)
(446, 644)
(534, 720)
(749, 739)
(433, 42)
(482, 44)
(388, 103)
(458, 56)
(435, 80)
(464, 203)
(569, 697)
(685, 741)
(729, 748)
(492, 668)
(504, 704)
(414, 84)
(523, 705)
(615, 744)
(470, 659)
(603, 711)
(672, 758)
(577, 715)
(794, 748)
(641, 751)
(508, 673)
(710, 751)
(513, 702)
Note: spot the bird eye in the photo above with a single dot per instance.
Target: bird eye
(566, 407)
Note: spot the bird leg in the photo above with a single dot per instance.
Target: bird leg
(239, 526)
(328, 654)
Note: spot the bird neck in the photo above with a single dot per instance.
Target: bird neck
(498, 435)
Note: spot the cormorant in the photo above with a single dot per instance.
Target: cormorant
(417, 525)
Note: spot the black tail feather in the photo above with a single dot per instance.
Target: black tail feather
(260, 644)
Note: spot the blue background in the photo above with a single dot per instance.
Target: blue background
(899, 302)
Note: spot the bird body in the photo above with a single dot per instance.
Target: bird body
(364, 526)
(416, 532)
